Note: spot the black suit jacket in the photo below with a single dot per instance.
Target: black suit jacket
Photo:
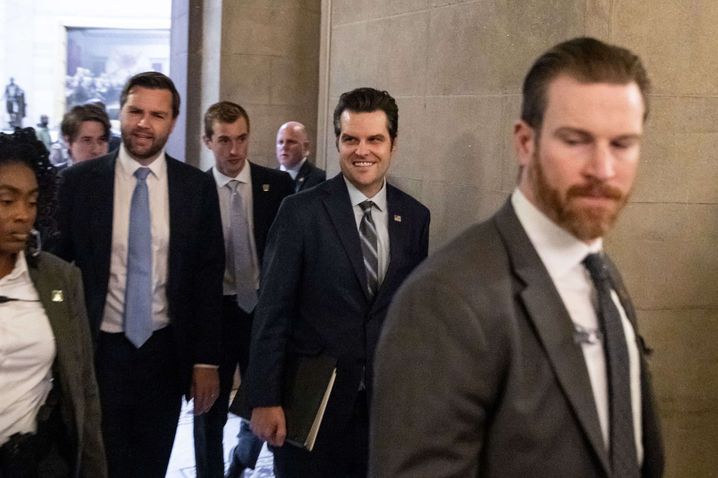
(195, 256)
(314, 298)
(308, 176)
(269, 188)
(480, 348)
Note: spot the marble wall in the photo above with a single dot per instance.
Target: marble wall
(456, 68)
(258, 53)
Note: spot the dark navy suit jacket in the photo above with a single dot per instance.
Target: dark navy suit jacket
(195, 256)
(314, 298)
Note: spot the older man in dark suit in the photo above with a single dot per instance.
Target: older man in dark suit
(257, 192)
(335, 256)
(292, 150)
(145, 230)
(514, 351)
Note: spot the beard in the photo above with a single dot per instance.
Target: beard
(584, 222)
(146, 151)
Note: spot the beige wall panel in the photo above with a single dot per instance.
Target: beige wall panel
(667, 254)
(244, 78)
(348, 11)
(456, 207)
(684, 363)
(598, 18)
(464, 139)
(352, 63)
(485, 47)
(676, 39)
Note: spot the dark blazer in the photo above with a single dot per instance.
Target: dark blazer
(59, 287)
(269, 188)
(308, 176)
(480, 348)
(195, 256)
(314, 298)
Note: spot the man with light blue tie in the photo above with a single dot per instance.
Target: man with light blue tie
(145, 230)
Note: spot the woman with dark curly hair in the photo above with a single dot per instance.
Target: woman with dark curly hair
(50, 420)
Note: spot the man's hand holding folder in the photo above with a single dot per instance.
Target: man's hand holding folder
(268, 424)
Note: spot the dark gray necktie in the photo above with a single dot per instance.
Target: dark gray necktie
(622, 444)
(368, 236)
(241, 251)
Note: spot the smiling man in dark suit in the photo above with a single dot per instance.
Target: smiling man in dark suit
(335, 256)
(292, 150)
(258, 192)
(514, 350)
(145, 230)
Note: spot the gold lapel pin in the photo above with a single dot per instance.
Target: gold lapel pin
(397, 218)
(57, 296)
(265, 187)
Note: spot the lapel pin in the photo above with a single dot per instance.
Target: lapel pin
(265, 187)
(301, 180)
(397, 218)
(57, 296)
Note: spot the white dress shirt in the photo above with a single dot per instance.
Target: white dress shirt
(562, 254)
(294, 170)
(380, 216)
(27, 350)
(225, 205)
(157, 186)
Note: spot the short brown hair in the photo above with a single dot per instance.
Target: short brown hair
(73, 119)
(153, 80)
(587, 60)
(224, 112)
(368, 100)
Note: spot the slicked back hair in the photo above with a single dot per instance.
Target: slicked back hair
(586, 60)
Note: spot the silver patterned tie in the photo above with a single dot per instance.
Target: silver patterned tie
(368, 236)
(241, 251)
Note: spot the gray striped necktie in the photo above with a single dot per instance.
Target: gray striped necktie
(368, 236)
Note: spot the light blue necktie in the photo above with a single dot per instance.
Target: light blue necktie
(241, 251)
(138, 290)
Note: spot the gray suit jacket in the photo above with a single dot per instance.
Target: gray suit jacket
(478, 373)
(60, 289)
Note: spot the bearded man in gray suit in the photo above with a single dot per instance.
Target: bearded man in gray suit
(514, 349)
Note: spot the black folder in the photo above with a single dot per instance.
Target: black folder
(308, 383)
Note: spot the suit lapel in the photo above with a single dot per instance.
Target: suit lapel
(302, 176)
(103, 197)
(260, 190)
(178, 216)
(340, 212)
(554, 327)
(397, 238)
(54, 299)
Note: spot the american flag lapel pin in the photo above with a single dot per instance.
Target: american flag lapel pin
(397, 218)
(57, 296)
(265, 187)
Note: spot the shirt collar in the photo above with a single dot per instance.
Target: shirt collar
(559, 250)
(244, 176)
(129, 165)
(19, 271)
(294, 169)
(356, 196)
